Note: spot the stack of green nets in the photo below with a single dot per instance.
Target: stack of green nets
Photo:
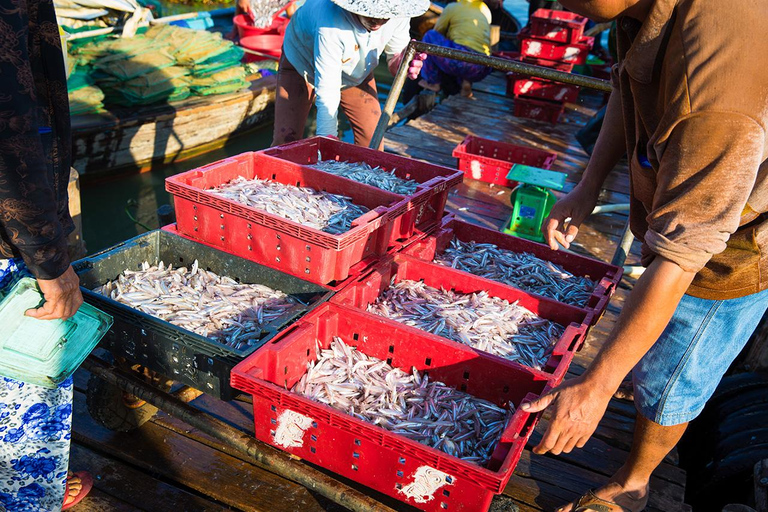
(164, 64)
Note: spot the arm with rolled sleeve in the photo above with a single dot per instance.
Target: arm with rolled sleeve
(707, 171)
(328, 57)
(28, 207)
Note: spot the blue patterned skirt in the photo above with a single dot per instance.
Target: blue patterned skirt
(35, 429)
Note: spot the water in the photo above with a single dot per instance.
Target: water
(105, 221)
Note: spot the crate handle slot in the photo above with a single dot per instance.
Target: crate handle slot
(571, 337)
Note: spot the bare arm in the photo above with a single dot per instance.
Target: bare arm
(579, 404)
(579, 203)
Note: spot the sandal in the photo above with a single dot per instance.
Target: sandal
(86, 481)
(590, 502)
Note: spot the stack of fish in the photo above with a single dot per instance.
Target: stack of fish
(406, 404)
(319, 210)
(200, 301)
(263, 12)
(483, 322)
(519, 269)
(364, 173)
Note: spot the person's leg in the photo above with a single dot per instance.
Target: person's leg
(361, 106)
(673, 382)
(34, 451)
(293, 99)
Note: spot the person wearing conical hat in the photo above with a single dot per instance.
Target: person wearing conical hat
(330, 51)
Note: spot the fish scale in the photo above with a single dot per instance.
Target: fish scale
(519, 269)
(320, 210)
(364, 173)
(407, 404)
(201, 301)
(483, 322)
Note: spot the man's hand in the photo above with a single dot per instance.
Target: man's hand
(414, 67)
(574, 208)
(577, 407)
(244, 7)
(62, 297)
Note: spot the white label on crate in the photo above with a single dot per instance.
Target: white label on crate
(290, 429)
(426, 482)
(476, 168)
(533, 48)
(561, 94)
(554, 32)
(571, 53)
(526, 87)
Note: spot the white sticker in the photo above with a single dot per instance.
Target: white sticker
(571, 53)
(477, 171)
(534, 48)
(527, 86)
(560, 95)
(290, 429)
(554, 32)
(426, 482)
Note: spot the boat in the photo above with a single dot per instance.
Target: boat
(130, 139)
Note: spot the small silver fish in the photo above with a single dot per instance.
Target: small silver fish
(407, 404)
(364, 173)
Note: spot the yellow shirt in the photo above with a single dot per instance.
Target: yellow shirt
(468, 23)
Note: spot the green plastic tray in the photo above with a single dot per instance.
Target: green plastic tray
(45, 352)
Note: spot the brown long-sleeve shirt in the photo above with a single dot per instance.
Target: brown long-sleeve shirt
(35, 144)
(693, 82)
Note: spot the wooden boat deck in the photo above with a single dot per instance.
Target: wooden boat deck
(167, 465)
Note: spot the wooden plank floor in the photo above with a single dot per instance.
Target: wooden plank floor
(167, 465)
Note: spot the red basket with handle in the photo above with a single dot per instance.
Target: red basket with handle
(364, 290)
(369, 454)
(562, 26)
(426, 205)
(490, 160)
(272, 240)
(571, 53)
(518, 86)
(540, 110)
(605, 275)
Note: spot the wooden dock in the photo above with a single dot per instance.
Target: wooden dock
(167, 465)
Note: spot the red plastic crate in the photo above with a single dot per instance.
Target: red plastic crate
(272, 240)
(560, 66)
(566, 27)
(540, 110)
(426, 209)
(490, 160)
(518, 86)
(606, 276)
(365, 290)
(367, 453)
(571, 53)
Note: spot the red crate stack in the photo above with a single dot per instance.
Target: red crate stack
(367, 453)
(555, 39)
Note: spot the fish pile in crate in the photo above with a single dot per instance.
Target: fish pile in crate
(555, 39)
(364, 173)
(316, 209)
(520, 269)
(478, 320)
(217, 307)
(407, 404)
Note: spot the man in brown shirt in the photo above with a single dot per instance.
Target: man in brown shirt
(690, 109)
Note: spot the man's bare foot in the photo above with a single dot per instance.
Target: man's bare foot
(633, 498)
(466, 89)
(626, 390)
(74, 486)
(431, 87)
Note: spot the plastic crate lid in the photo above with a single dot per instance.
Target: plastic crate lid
(536, 176)
(45, 352)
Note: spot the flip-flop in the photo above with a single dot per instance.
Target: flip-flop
(87, 482)
(590, 502)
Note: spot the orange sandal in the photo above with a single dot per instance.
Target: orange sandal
(87, 482)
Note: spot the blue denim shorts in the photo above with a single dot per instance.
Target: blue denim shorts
(674, 380)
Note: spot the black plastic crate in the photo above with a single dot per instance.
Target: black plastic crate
(165, 348)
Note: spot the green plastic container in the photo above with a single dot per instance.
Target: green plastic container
(45, 352)
(532, 200)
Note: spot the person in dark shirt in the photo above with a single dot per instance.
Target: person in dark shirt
(35, 147)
